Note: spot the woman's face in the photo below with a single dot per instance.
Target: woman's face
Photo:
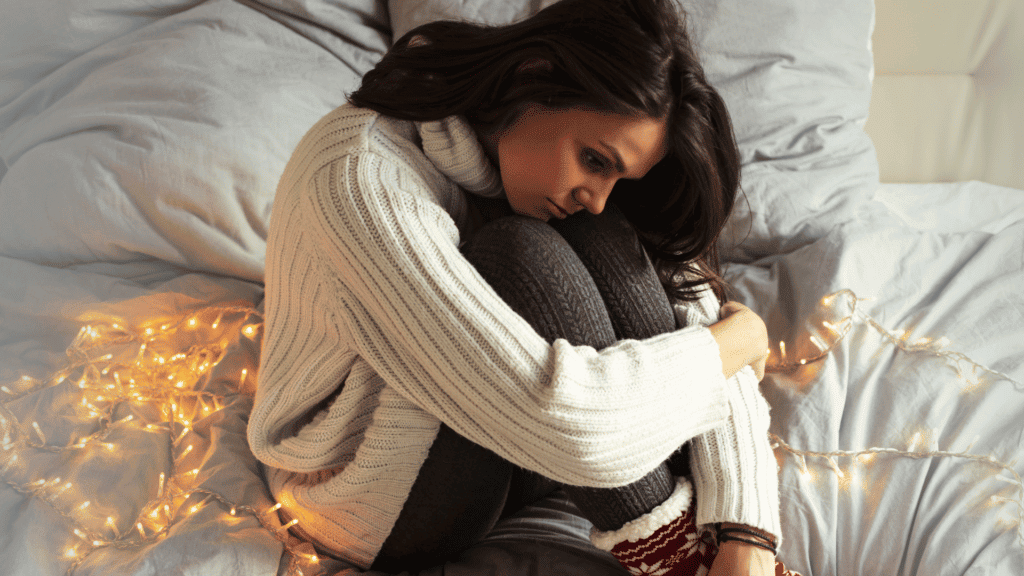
(557, 162)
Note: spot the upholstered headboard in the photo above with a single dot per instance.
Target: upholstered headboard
(949, 83)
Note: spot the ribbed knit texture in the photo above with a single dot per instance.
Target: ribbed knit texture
(734, 469)
(377, 329)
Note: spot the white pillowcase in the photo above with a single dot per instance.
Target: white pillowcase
(159, 131)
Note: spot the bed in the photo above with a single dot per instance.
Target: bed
(881, 236)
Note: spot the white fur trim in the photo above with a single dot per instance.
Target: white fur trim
(648, 524)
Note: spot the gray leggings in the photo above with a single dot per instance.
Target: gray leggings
(585, 279)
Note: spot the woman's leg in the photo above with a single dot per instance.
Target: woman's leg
(585, 279)
(454, 502)
(548, 277)
(462, 488)
(638, 308)
(648, 525)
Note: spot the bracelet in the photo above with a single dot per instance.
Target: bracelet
(723, 539)
(769, 543)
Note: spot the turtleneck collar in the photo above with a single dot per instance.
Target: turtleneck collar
(452, 146)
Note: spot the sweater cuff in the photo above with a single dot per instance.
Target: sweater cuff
(734, 468)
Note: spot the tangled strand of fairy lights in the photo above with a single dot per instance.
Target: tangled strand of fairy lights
(823, 336)
(147, 379)
(153, 379)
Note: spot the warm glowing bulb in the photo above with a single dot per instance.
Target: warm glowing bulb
(192, 322)
(822, 346)
(914, 441)
(39, 432)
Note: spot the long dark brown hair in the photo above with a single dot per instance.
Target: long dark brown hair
(630, 57)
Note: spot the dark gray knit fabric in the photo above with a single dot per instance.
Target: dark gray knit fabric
(585, 279)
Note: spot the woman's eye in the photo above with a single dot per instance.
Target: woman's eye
(594, 161)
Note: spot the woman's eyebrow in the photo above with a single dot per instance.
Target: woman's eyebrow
(619, 166)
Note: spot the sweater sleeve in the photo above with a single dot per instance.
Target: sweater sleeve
(424, 319)
(734, 468)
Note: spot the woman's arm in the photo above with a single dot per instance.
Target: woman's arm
(734, 468)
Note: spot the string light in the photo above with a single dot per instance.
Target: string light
(111, 366)
(921, 442)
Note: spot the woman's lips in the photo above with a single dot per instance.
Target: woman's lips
(559, 212)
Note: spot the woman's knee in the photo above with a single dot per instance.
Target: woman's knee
(535, 271)
(610, 249)
(515, 240)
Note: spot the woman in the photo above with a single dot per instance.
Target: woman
(487, 279)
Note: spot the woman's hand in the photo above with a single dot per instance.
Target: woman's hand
(740, 559)
(742, 339)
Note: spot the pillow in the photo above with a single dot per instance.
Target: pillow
(796, 76)
(159, 132)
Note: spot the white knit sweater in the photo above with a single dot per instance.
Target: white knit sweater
(377, 329)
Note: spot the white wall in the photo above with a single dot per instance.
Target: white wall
(948, 98)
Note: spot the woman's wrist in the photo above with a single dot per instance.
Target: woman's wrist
(745, 554)
(736, 557)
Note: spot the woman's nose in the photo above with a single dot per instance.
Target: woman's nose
(594, 196)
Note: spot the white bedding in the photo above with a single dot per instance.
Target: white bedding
(141, 145)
